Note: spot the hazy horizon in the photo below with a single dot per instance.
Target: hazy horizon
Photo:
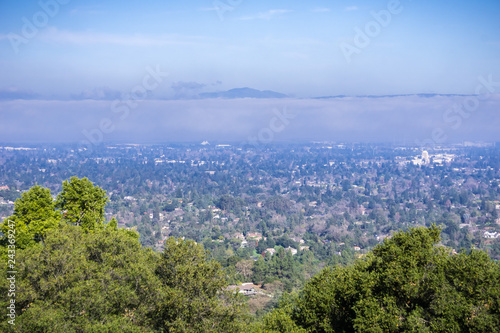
(97, 72)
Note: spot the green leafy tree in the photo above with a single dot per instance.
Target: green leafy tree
(113, 224)
(82, 203)
(196, 296)
(83, 282)
(34, 215)
(408, 283)
(279, 320)
(104, 281)
(259, 270)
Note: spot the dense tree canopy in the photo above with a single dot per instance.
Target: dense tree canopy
(196, 296)
(82, 203)
(86, 276)
(104, 281)
(407, 284)
(34, 214)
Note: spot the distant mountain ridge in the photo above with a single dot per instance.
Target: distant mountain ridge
(427, 95)
(243, 93)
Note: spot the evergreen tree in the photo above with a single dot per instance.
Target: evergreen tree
(82, 203)
(34, 215)
(104, 281)
(406, 284)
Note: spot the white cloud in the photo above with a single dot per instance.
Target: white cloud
(61, 36)
(270, 14)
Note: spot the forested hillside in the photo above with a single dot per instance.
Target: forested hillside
(73, 273)
(407, 284)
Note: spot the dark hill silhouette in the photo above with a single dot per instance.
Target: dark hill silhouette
(243, 93)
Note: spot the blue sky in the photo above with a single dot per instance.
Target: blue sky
(287, 46)
(60, 60)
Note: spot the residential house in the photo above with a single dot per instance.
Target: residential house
(255, 236)
(270, 250)
(491, 235)
(239, 236)
(247, 289)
